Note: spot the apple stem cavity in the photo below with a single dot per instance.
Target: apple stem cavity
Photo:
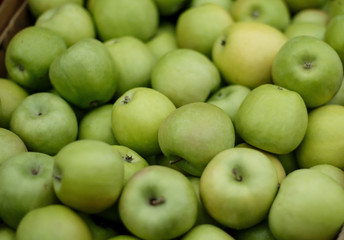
(128, 158)
(35, 170)
(236, 175)
(156, 201)
(307, 65)
(174, 161)
(21, 67)
(223, 42)
(255, 14)
(126, 99)
(57, 177)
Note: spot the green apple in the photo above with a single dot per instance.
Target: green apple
(206, 232)
(334, 36)
(335, 173)
(25, 184)
(305, 28)
(85, 75)
(244, 53)
(194, 134)
(226, 4)
(29, 55)
(124, 237)
(158, 203)
(272, 12)
(324, 141)
(134, 62)
(7, 233)
(309, 205)
(96, 125)
(170, 7)
(335, 8)
(238, 187)
(164, 40)
(272, 118)
(338, 97)
(288, 162)
(310, 67)
(311, 15)
(137, 18)
(45, 122)
(136, 118)
(132, 161)
(71, 21)
(11, 95)
(163, 160)
(198, 27)
(10, 144)
(53, 222)
(260, 231)
(37, 7)
(185, 76)
(297, 5)
(88, 175)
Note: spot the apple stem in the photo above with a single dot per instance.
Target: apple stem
(35, 171)
(307, 65)
(223, 42)
(236, 174)
(57, 177)
(156, 201)
(174, 161)
(128, 158)
(126, 100)
(21, 67)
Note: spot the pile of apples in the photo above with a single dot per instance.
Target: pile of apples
(174, 119)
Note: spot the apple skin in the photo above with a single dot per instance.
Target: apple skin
(205, 232)
(335, 37)
(226, 4)
(335, 8)
(309, 66)
(238, 187)
(260, 231)
(85, 75)
(10, 144)
(76, 168)
(305, 28)
(288, 162)
(25, 176)
(45, 122)
(71, 21)
(197, 28)
(42, 223)
(137, 18)
(96, 125)
(271, 12)
(311, 15)
(338, 99)
(196, 78)
(273, 119)
(309, 205)
(29, 55)
(11, 95)
(323, 142)
(170, 7)
(335, 173)
(132, 161)
(152, 208)
(124, 237)
(7, 233)
(194, 134)
(235, 53)
(296, 5)
(134, 62)
(136, 118)
(37, 7)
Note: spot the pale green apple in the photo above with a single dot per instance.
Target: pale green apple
(260, 231)
(137, 18)
(305, 28)
(29, 55)
(244, 53)
(158, 203)
(311, 15)
(339, 97)
(96, 125)
(45, 122)
(272, 118)
(25, 184)
(272, 12)
(310, 67)
(11, 95)
(170, 7)
(324, 141)
(132, 161)
(10, 144)
(134, 62)
(238, 187)
(7, 233)
(335, 173)
(194, 134)
(309, 205)
(53, 222)
(124, 237)
(226, 4)
(206, 232)
(136, 118)
(85, 75)
(185, 76)
(334, 36)
(164, 40)
(37, 7)
(297, 5)
(88, 175)
(198, 27)
(71, 21)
